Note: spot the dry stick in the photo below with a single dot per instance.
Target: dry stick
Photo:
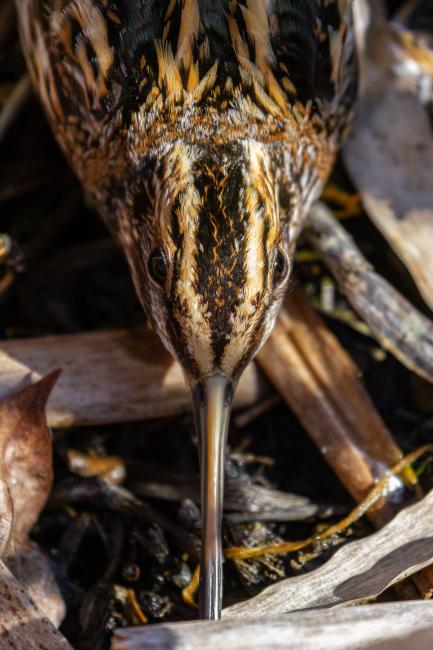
(317, 378)
(117, 499)
(252, 501)
(406, 10)
(114, 376)
(396, 626)
(14, 104)
(400, 328)
(150, 480)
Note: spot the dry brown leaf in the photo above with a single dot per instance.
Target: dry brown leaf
(25, 483)
(389, 153)
(26, 452)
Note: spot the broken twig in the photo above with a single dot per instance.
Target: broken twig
(406, 625)
(320, 382)
(399, 327)
(14, 104)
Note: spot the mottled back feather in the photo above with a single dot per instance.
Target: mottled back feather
(117, 55)
(204, 129)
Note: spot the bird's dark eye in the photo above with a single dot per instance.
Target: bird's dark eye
(158, 267)
(281, 268)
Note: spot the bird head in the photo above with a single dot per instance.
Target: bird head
(208, 253)
(206, 238)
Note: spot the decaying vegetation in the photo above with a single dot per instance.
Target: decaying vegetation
(329, 482)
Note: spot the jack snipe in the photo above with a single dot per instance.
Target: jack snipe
(203, 130)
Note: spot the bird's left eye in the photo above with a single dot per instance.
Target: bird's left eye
(158, 266)
(281, 268)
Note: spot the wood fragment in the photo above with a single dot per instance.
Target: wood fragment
(400, 328)
(320, 382)
(114, 376)
(396, 626)
(14, 104)
(21, 623)
(359, 570)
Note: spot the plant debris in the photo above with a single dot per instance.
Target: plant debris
(117, 542)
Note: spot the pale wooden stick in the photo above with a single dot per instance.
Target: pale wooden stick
(148, 480)
(392, 626)
(14, 104)
(399, 327)
(320, 382)
(114, 376)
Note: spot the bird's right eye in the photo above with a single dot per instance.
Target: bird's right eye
(158, 267)
(281, 268)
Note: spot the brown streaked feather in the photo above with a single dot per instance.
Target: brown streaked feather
(160, 104)
(84, 56)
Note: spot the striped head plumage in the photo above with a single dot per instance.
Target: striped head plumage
(203, 130)
(208, 241)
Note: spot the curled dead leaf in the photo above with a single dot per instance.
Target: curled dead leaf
(26, 476)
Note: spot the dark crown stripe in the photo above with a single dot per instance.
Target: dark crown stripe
(222, 232)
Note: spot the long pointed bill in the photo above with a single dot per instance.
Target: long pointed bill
(212, 405)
